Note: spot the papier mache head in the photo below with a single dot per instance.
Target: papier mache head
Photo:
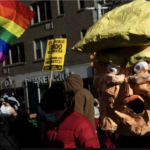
(121, 40)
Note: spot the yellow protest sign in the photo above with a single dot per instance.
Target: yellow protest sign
(55, 54)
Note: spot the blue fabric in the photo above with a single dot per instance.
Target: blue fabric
(12, 102)
(4, 47)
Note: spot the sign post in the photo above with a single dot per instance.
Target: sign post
(54, 56)
(50, 80)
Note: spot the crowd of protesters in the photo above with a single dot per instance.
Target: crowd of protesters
(65, 119)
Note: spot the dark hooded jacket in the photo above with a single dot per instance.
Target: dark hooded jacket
(82, 100)
(7, 139)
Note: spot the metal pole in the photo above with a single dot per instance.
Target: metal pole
(27, 98)
(39, 92)
(99, 9)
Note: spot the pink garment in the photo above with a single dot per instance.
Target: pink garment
(112, 140)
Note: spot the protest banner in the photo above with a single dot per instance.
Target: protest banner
(55, 56)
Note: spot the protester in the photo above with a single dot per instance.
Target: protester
(26, 134)
(7, 139)
(113, 140)
(80, 99)
(96, 112)
(65, 128)
(23, 104)
(41, 120)
(107, 139)
(96, 101)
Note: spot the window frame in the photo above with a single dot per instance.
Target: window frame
(10, 55)
(79, 5)
(58, 8)
(95, 3)
(81, 33)
(38, 12)
(61, 36)
(41, 47)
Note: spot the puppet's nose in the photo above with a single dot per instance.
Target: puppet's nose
(128, 89)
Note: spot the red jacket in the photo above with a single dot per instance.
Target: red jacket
(73, 130)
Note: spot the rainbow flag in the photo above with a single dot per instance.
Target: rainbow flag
(14, 20)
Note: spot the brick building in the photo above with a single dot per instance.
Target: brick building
(53, 19)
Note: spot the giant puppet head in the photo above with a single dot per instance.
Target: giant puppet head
(121, 40)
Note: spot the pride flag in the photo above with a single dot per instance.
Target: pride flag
(14, 20)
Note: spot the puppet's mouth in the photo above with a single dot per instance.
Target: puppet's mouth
(136, 103)
(137, 106)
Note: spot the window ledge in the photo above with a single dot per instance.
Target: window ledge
(40, 23)
(38, 60)
(61, 15)
(15, 64)
(80, 10)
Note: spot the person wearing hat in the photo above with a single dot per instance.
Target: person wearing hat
(7, 139)
(26, 134)
(11, 100)
(65, 127)
(80, 99)
(41, 120)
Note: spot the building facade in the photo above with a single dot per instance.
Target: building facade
(22, 70)
(53, 19)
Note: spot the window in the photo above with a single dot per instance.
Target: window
(83, 32)
(40, 47)
(15, 55)
(81, 4)
(63, 36)
(60, 7)
(7, 60)
(42, 11)
(105, 11)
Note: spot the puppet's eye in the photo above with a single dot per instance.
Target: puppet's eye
(141, 66)
(112, 69)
